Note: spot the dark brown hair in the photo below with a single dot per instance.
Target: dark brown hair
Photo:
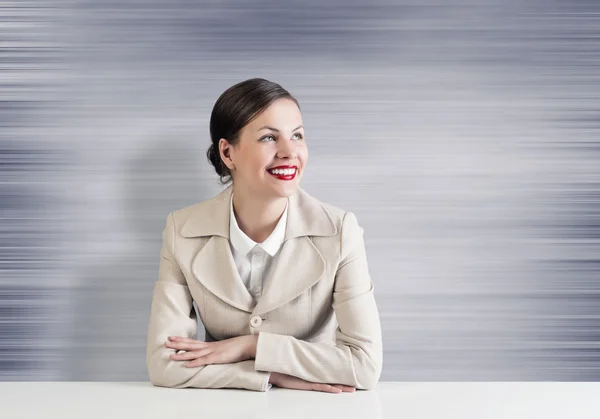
(235, 108)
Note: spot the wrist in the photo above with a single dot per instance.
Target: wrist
(252, 343)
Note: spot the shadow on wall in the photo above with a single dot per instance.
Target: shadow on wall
(29, 251)
(111, 303)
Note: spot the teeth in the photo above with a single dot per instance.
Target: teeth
(285, 172)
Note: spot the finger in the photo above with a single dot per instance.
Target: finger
(326, 388)
(188, 346)
(205, 360)
(347, 389)
(191, 355)
(178, 344)
(181, 339)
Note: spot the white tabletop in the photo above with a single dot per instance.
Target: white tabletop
(408, 400)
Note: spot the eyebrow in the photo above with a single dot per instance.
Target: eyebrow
(275, 129)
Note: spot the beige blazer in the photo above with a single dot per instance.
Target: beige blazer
(319, 275)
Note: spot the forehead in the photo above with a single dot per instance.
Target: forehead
(282, 114)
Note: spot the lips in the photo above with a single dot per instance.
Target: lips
(284, 176)
(283, 167)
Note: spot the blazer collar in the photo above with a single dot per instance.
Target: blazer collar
(306, 217)
(215, 267)
(243, 244)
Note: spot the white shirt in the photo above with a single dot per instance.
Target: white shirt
(253, 260)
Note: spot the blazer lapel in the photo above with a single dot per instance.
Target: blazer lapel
(297, 266)
(215, 268)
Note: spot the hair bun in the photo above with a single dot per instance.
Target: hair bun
(215, 160)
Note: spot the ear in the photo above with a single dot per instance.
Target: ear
(225, 151)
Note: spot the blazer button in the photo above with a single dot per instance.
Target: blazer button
(256, 321)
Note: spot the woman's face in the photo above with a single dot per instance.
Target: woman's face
(272, 139)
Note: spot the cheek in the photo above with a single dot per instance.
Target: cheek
(303, 152)
(257, 163)
(304, 158)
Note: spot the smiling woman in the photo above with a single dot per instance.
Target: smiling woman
(280, 278)
(257, 137)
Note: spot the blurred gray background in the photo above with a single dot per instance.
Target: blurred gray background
(463, 134)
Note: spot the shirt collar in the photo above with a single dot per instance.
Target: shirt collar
(243, 244)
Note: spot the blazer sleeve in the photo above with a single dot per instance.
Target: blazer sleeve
(356, 358)
(172, 314)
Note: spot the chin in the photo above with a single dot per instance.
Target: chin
(285, 191)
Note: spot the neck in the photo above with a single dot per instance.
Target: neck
(255, 215)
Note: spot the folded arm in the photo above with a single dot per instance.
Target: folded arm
(172, 314)
(357, 356)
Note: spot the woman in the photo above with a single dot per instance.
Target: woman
(270, 267)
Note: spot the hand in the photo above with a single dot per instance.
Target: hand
(226, 351)
(289, 381)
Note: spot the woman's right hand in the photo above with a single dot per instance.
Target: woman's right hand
(289, 381)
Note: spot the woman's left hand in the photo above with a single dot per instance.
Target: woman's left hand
(237, 349)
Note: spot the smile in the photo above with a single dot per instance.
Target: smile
(283, 174)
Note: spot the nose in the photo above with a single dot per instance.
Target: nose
(286, 149)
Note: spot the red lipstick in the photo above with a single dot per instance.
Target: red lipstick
(284, 176)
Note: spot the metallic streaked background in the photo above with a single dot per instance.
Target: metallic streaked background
(463, 134)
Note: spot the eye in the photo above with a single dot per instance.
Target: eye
(265, 137)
